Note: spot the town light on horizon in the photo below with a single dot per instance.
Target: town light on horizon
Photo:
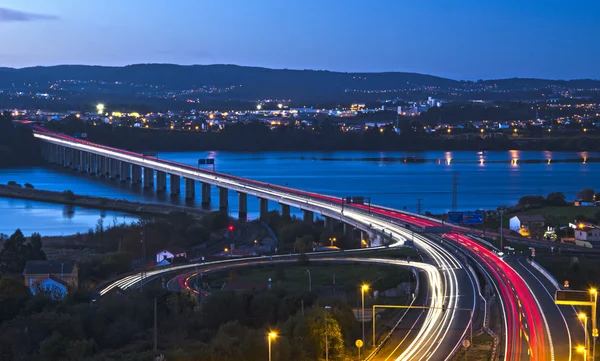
(100, 108)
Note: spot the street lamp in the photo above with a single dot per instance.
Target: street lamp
(581, 349)
(326, 330)
(271, 336)
(332, 240)
(363, 289)
(594, 292)
(583, 317)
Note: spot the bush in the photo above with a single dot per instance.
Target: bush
(69, 195)
(13, 184)
(29, 186)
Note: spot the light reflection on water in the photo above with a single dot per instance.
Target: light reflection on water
(395, 179)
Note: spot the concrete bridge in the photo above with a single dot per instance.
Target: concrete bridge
(152, 172)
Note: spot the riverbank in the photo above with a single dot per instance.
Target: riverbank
(69, 198)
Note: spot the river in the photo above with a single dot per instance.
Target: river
(485, 180)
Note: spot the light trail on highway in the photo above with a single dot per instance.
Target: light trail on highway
(443, 282)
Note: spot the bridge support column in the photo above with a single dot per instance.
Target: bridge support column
(328, 222)
(125, 171)
(161, 181)
(148, 177)
(223, 199)
(115, 169)
(309, 217)
(190, 189)
(348, 229)
(136, 174)
(205, 194)
(76, 159)
(263, 207)
(93, 169)
(243, 206)
(175, 184)
(84, 162)
(285, 211)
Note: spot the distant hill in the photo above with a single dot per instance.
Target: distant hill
(234, 82)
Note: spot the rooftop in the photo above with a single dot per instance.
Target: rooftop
(49, 267)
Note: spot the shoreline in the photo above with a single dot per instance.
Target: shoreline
(101, 203)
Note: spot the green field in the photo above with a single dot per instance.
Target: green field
(581, 272)
(557, 215)
(480, 349)
(347, 277)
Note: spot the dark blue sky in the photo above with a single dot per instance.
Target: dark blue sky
(461, 39)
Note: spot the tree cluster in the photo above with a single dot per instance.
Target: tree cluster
(18, 147)
(119, 326)
(17, 250)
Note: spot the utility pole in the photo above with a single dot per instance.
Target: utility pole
(419, 205)
(454, 191)
(155, 329)
(143, 240)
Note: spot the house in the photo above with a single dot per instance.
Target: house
(588, 234)
(528, 225)
(170, 253)
(55, 276)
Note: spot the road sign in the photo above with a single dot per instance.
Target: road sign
(595, 332)
(455, 217)
(574, 298)
(359, 343)
(473, 217)
(466, 343)
(566, 284)
(437, 229)
(207, 161)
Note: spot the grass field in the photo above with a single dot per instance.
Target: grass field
(295, 278)
(581, 272)
(480, 349)
(557, 215)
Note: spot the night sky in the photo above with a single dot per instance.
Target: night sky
(460, 39)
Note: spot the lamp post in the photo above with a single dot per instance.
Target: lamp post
(271, 336)
(326, 330)
(586, 343)
(594, 293)
(309, 281)
(332, 240)
(581, 349)
(363, 289)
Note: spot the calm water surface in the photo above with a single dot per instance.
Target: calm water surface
(485, 180)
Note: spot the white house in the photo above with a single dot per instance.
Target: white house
(589, 234)
(526, 224)
(170, 253)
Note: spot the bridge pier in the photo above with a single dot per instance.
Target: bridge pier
(309, 217)
(84, 162)
(76, 160)
(125, 171)
(264, 208)
(93, 169)
(148, 177)
(285, 211)
(115, 169)
(348, 229)
(136, 174)
(243, 206)
(223, 199)
(328, 223)
(161, 181)
(175, 184)
(190, 189)
(205, 194)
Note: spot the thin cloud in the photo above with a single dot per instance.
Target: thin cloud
(8, 15)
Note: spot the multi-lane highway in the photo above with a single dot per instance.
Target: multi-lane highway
(527, 335)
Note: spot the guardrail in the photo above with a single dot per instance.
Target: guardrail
(545, 273)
